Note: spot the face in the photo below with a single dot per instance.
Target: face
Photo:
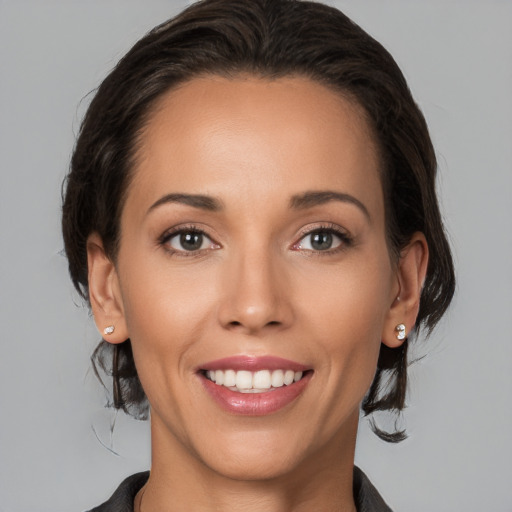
(253, 273)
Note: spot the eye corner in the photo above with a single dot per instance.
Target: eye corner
(187, 241)
(335, 239)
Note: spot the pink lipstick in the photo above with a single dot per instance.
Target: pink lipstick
(254, 386)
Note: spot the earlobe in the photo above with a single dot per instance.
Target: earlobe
(104, 292)
(411, 272)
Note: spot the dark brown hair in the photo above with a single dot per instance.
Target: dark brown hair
(269, 39)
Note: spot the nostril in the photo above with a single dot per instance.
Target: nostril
(236, 323)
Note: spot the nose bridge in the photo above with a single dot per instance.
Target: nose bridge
(256, 295)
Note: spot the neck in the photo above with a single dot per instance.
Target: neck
(181, 481)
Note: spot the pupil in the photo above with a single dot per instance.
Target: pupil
(191, 241)
(321, 241)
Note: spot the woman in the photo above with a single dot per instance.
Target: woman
(251, 213)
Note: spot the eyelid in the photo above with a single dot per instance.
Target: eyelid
(164, 239)
(345, 237)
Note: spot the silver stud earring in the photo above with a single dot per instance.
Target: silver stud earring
(109, 330)
(400, 329)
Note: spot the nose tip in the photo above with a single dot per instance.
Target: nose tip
(253, 319)
(255, 299)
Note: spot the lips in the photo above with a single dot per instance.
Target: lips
(254, 385)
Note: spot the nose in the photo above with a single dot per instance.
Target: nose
(256, 297)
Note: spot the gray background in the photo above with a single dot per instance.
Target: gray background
(457, 57)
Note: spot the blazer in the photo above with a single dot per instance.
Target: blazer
(366, 497)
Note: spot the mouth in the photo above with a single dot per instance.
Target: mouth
(254, 386)
(261, 381)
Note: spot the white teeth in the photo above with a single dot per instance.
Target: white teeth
(261, 380)
(277, 378)
(229, 378)
(243, 379)
(288, 377)
(253, 382)
(219, 377)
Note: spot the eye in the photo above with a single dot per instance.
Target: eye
(188, 240)
(322, 240)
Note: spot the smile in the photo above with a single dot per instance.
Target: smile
(254, 386)
(244, 381)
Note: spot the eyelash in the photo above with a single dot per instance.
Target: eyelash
(345, 240)
(190, 229)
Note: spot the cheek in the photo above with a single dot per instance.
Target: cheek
(164, 311)
(170, 310)
(347, 310)
(351, 299)
(161, 301)
(167, 313)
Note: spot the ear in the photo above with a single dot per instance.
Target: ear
(105, 293)
(411, 271)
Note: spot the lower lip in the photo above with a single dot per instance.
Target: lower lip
(255, 404)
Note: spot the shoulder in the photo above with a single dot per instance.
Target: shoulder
(366, 497)
(122, 499)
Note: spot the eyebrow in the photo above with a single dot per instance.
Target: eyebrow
(196, 200)
(316, 198)
(297, 202)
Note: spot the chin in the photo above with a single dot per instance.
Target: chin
(255, 468)
(251, 455)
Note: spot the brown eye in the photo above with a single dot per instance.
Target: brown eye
(189, 241)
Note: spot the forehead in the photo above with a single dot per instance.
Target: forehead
(292, 133)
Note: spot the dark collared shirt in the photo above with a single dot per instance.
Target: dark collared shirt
(366, 497)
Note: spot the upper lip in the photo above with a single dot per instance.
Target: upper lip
(253, 364)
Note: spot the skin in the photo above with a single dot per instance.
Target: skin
(256, 287)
